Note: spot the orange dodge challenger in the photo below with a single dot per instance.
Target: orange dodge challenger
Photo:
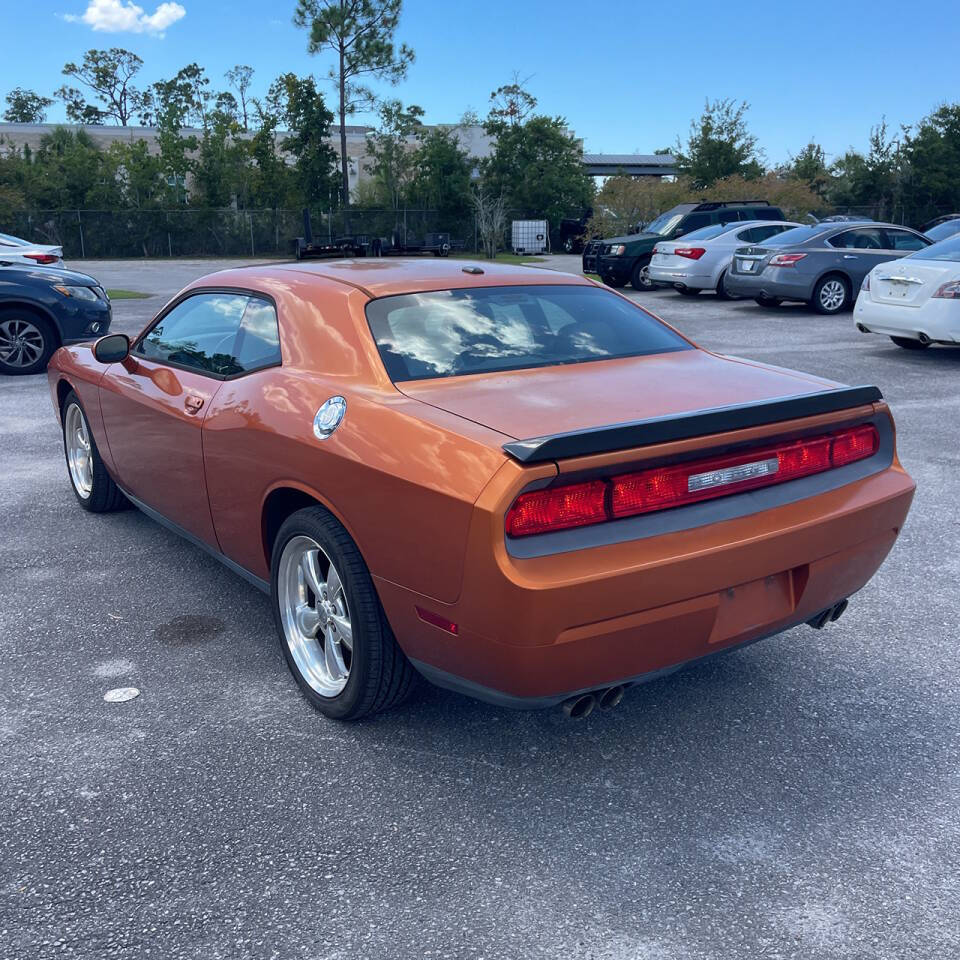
(514, 482)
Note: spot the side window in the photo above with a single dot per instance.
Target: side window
(258, 343)
(759, 234)
(902, 240)
(694, 221)
(222, 334)
(864, 238)
(729, 216)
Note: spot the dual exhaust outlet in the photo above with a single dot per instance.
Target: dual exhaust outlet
(583, 704)
(606, 698)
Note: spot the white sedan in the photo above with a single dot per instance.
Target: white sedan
(25, 253)
(916, 300)
(699, 260)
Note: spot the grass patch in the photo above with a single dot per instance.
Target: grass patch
(501, 258)
(127, 295)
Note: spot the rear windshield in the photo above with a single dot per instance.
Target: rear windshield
(796, 235)
(943, 230)
(450, 333)
(708, 233)
(948, 249)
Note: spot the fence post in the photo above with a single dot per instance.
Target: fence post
(83, 251)
(250, 219)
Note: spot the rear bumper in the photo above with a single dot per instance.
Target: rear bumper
(685, 278)
(771, 284)
(938, 320)
(534, 631)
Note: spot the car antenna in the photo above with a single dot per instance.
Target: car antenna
(472, 269)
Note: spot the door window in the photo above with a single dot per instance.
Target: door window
(222, 334)
(904, 240)
(863, 238)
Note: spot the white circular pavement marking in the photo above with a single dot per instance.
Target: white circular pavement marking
(121, 694)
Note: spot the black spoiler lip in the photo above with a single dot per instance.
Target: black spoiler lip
(683, 426)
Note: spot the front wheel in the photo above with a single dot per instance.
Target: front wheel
(908, 343)
(93, 486)
(831, 295)
(640, 278)
(332, 629)
(26, 341)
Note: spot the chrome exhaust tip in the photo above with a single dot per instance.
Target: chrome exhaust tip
(611, 697)
(578, 708)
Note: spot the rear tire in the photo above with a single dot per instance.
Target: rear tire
(92, 484)
(640, 279)
(831, 295)
(722, 288)
(907, 343)
(27, 341)
(344, 611)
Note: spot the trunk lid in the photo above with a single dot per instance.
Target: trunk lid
(909, 283)
(522, 404)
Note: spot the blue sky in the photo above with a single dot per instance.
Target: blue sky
(628, 77)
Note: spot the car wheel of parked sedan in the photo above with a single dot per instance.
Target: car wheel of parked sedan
(689, 291)
(765, 301)
(89, 478)
(26, 341)
(614, 282)
(722, 288)
(908, 343)
(333, 632)
(640, 278)
(831, 295)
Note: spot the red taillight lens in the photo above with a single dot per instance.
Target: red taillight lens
(661, 488)
(557, 508)
(949, 291)
(852, 445)
(786, 259)
(43, 258)
(691, 253)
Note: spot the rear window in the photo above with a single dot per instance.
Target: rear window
(451, 333)
(943, 230)
(796, 235)
(708, 233)
(948, 249)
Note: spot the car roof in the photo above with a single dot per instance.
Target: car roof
(384, 277)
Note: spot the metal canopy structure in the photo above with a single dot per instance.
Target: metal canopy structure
(630, 164)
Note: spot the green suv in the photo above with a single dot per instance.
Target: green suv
(622, 260)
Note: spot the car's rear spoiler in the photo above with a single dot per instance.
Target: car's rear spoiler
(682, 426)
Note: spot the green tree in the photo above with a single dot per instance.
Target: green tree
(390, 153)
(240, 78)
(538, 167)
(302, 108)
(442, 171)
(25, 106)
(719, 145)
(360, 35)
(512, 103)
(810, 166)
(173, 102)
(109, 74)
(931, 157)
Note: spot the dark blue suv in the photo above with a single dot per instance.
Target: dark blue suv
(42, 308)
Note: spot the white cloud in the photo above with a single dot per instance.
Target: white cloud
(124, 16)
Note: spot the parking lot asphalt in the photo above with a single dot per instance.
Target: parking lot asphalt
(799, 798)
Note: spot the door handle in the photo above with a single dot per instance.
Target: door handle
(192, 404)
(850, 256)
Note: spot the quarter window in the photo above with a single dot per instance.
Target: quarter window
(222, 334)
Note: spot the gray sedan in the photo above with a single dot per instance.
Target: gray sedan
(822, 265)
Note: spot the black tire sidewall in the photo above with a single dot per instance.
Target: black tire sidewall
(363, 604)
(105, 496)
(50, 342)
(635, 275)
(819, 307)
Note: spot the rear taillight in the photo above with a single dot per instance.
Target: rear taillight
(786, 259)
(691, 253)
(949, 291)
(662, 488)
(43, 258)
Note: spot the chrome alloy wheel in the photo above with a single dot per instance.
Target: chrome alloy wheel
(76, 439)
(315, 616)
(21, 342)
(832, 295)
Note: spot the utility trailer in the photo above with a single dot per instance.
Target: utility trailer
(436, 243)
(306, 248)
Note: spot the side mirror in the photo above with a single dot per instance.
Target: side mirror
(112, 348)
